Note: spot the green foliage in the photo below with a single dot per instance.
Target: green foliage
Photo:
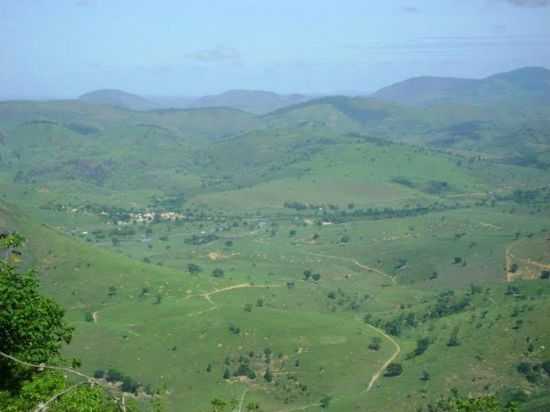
(422, 346)
(481, 404)
(453, 339)
(220, 405)
(268, 376)
(325, 401)
(193, 268)
(393, 369)
(375, 343)
(41, 387)
(32, 327)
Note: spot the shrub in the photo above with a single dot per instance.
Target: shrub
(218, 273)
(99, 374)
(453, 339)
(393, 369)
(193, 268)
(375, 343)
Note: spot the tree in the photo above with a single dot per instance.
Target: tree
(268, 376)
(218, 405)
(325, 401)
(253, 406)
(421, 346)
(375, 343)
(32, 327)
(482, 404)
(453, 339)
(218, 273)
(32, 332)
(193, 268)
(425, 376)
(393, 369)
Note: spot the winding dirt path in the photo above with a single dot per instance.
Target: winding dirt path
(300, 408)
(207, 295)
(241, 403)
(526, 273)
(380, 371)
(357, 263)
(535, 263)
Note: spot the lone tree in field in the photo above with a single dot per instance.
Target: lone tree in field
(193, 268)
(393, 369)
(375, 343)
(325, 402)
(453, 339)
(268, 376)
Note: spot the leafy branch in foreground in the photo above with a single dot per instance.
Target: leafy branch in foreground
(32, 332)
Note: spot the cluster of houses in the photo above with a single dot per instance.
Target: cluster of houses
(149, 217)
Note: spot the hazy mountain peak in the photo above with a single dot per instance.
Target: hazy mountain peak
(523, 83)
(118, 98)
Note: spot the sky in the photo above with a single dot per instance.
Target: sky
(63, 48)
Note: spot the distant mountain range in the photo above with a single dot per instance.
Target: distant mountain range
(253, 101)
(524, 85)
(528, 83)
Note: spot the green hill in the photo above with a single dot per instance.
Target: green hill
(253, 101)
(117, 98)
(520, 86)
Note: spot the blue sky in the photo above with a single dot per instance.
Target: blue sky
(64, 48)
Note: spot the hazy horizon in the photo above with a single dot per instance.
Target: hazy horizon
(193, 49)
